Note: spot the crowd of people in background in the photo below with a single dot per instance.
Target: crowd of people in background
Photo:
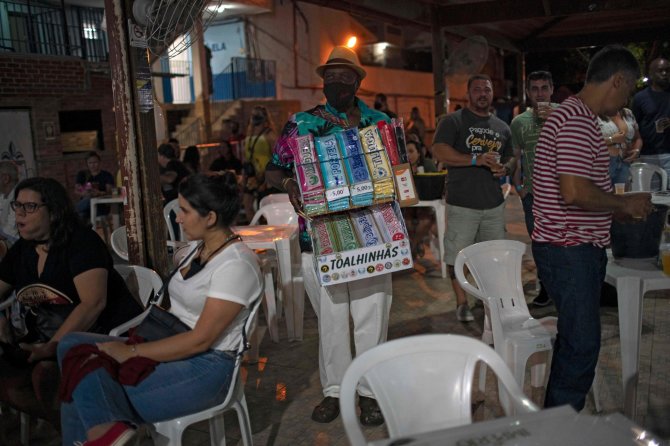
(562, 159)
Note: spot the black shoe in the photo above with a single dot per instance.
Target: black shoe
(371, 414)
(327, 410)
(542, 299)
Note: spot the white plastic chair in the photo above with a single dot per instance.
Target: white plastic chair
(119, 242)
(149, 282)
(273, 198)
(422, 383)
(171, 431)
(642, 174)
(24, 417)
(281, 213)
(174, 429)
(515, 334)
(172, 206)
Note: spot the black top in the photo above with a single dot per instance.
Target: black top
(221, 163)
(85, 251)
(99, 181)
(170, 191)
(474, 187)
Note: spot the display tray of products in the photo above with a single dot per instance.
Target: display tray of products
(349, 169)
(359, 244)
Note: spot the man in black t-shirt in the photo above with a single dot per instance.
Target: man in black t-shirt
(172, 172)
(474, 145)
(90, 183)
(651, 108)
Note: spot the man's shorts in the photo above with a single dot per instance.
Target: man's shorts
(467, 226)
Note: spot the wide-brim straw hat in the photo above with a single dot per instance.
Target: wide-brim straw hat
(342, 57)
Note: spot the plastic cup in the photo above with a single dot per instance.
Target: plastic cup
(496, 155)
(619, 188)
(665, 260)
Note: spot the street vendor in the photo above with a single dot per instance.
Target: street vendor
(367, 301)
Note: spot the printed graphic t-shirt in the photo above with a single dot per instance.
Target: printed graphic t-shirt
(474, 187)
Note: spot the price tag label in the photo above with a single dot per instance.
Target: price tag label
(337, 193)
(361, 188)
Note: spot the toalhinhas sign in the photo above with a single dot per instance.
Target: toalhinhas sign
(360, 263)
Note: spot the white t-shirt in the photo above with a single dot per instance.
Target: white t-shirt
(234, 275)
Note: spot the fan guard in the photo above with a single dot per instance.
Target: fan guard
(166, 21)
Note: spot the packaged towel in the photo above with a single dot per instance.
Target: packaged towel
(324, 236)
(308, 175)
(366, 229)
(360, 182)
(388, 222)
(332, 172)
(344, 231)
(378, 163)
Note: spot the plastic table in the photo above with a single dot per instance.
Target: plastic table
(283, 239)
(632, 279)
(555, 426)
(105, 199)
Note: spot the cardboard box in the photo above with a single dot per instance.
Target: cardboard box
(355, 264)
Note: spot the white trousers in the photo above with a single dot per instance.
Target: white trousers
(367, 301)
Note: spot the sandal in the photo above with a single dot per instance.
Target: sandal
(327, 410)
(371, 414)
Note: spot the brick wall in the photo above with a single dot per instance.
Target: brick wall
(49, 84)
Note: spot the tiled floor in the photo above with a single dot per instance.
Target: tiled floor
(283, 387)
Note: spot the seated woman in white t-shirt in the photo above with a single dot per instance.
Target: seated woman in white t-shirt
(212, 294)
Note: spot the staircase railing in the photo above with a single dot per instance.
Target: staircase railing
(192, 134)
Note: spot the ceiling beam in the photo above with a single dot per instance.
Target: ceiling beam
(594, 39)
(491, 11)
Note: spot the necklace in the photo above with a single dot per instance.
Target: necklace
(205, 259)
(198, 263)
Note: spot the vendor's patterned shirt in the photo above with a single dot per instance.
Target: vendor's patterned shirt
(321, 120)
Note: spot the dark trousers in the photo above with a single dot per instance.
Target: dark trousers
(573, 277)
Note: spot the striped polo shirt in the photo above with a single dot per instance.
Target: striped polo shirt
(571, 143)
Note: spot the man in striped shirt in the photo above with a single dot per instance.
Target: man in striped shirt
(573, 207)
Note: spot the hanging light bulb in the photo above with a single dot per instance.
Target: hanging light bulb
(351, 41)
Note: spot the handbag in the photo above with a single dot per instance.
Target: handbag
(158, 322)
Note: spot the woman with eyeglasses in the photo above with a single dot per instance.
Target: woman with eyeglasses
(212, 293)
(64, 279)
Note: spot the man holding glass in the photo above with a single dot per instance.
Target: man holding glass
(573, 208)
(526, 129)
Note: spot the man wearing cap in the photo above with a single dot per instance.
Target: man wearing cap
(366, 301)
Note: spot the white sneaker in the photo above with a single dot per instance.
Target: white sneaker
(463, 313)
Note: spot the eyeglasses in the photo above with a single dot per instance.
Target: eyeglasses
(28, 208)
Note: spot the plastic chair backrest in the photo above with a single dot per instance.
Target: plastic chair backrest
(641, 175)
(172, 206)
(276, 214)
(273, 198)
(496, 268)
(422, 383)
(119, 242)
(148, 280)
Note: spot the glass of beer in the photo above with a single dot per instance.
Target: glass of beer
(664, 252)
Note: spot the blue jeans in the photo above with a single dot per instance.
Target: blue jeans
(174, 389)
(527, 203)
(619, 170)
(573, 277)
